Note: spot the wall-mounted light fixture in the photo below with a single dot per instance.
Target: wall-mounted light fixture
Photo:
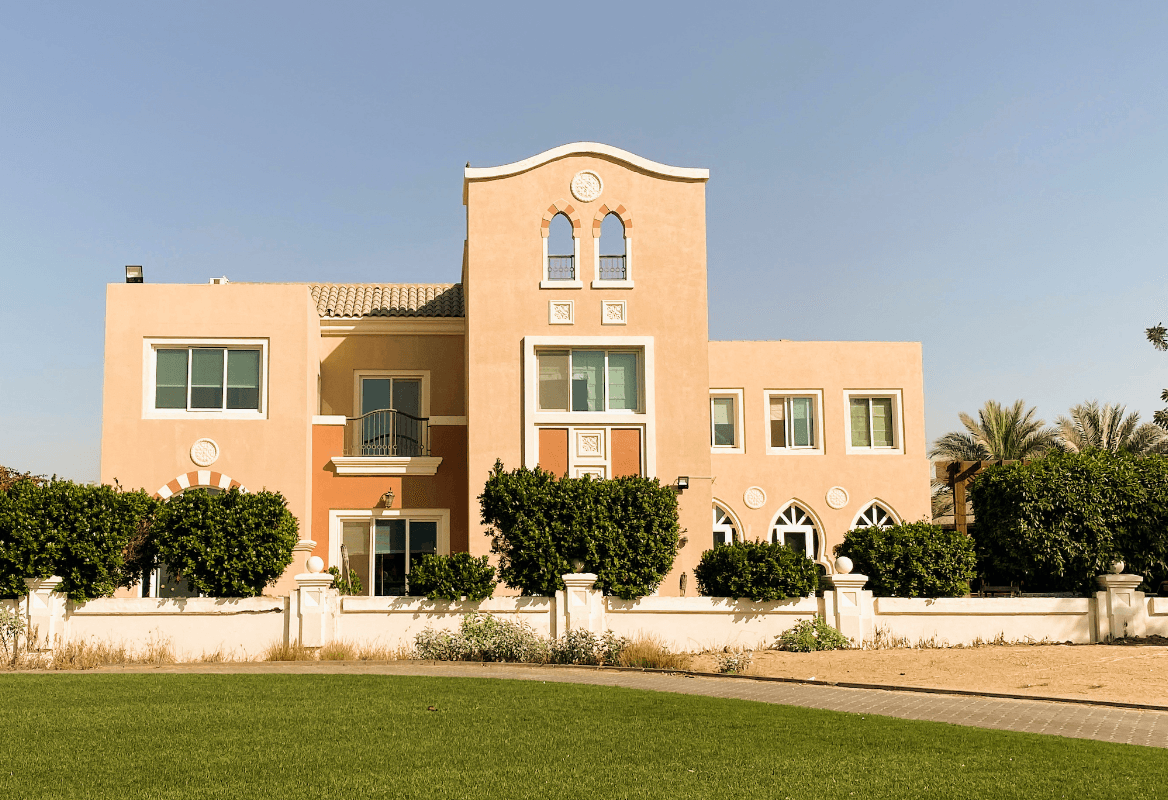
(387, 499)
(133, 274)
(682, 483)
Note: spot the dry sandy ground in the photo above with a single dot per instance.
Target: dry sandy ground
(1131, 674)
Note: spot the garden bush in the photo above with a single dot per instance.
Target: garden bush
(1056, 523)
(92, 537)
(452, 577)
(758, 570)
(625, 530)
(809, 636)
(482, 637)
(231, 544)
(349, 586)
(913, 559)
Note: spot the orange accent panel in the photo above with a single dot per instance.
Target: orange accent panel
(626, 452)
(215, 478)
(553, 450)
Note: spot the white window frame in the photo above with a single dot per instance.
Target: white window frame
(816, 523)
(817, 397)
(735, 523)
(533, 418)
(897, 421)
(150, 347)
(875, 501)
(411, 374)
(739, 446)
(580, 416)
(339, 516)
(627, 283)
(546, 282)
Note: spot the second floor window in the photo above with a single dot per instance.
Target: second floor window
(872, 422)
(792, 422)
(723, 421)
(589, 380)
(561, 246)
(612, 265)
(207, 379)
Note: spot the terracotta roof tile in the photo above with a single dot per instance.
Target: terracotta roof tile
(388, 299)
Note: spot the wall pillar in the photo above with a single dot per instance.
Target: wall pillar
(45, 614)
(854, 614)
(1120, 611)
(314, 606)
(579, 605)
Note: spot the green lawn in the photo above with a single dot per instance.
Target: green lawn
(290, 736)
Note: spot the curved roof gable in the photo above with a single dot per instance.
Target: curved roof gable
(586, 148)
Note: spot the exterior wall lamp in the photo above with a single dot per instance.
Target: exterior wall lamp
(133, 274)
(682, 483)
(387, 499)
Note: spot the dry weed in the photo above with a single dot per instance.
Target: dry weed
(649, 652)
(337, 651)
(280, 651)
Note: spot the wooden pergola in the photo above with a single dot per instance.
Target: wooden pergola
(957, 475)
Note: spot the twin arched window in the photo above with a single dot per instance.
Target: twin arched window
(612, 263)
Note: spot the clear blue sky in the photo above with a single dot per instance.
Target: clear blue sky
(987, 178)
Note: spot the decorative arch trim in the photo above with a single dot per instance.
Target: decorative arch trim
(568, 210)
(584, 149)
(203, 478)
(821, 551)
(896, 518)
(722, 504)
(622, 214)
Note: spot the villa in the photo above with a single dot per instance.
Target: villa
(577, 340)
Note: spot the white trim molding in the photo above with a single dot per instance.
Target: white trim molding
(739, 426)
(817, 396)
(328, 419)
(440, 420)
(380, 326)
(627, 283)
(586, 149)
(385, 465)
(339, 516)
(897, 422)
(576, 283)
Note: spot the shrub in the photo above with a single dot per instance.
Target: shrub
(809, 636)
(452, 577)
(759, 570)
(483, 638)
(226, 545)
(913, 559)
(1055, 523)
(733, 662)
(343, 586)
(585, 647)
(625, 530)
(90, 536)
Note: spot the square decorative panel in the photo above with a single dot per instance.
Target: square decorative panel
(613, 312)
(590, 444)
(561, 312)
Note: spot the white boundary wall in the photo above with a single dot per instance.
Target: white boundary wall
(315, 615)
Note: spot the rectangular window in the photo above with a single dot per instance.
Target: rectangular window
(722, 422)
(382, 552)
(207, 378)
(873, 422)
(589, 380)
(400, 394)
(793, 422)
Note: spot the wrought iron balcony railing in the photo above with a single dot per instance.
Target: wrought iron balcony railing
(387, 432)
(613, 268)
(561, 268)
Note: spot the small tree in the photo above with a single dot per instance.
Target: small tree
(913, 559)
(231, 544)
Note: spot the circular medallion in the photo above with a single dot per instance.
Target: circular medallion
(586, 186)
(837, 497)
(205, 452)
(754, 497)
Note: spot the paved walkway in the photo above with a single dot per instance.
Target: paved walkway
(1123, 725)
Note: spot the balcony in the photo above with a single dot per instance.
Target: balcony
(561, 268)
(387, 442)
(613, 268)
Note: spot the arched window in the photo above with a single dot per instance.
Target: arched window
(725, 531)
(874, 516)
(796, 528)
(612, 249)
(561, 259)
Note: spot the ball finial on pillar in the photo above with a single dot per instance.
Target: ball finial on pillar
(315, 564)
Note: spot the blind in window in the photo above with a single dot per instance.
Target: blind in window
(802, 425)
(861, 434)
(171, 379)
(722, 411)
(206, 378)
(553, 381)
(243, 379)
(778, 421)
(622, 381)
(882, 422)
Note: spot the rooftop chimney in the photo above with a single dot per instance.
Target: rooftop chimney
(133, 274)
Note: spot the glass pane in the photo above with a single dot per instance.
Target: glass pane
(882, 422)
(560, 241)
(389, 557)
(171, 379)
(861, 436)
(588, 380)
(796, 540)
(722, 411)
(553, 381)
(374, 394)
(206, 378)
(355, 536)
(801, 421)
(612, 236)
(423, 539)
(243, 379)
(622, 381)
(407, 396)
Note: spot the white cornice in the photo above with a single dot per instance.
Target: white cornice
(386, 465)
(380, 326)
(582, 149)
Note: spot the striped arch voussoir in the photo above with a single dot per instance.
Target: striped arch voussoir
(622, 213)
(200, 479)
(565, 208)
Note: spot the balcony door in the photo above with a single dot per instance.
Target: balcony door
(391, 434)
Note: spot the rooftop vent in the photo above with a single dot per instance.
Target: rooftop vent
(219, 280)
(133, 274)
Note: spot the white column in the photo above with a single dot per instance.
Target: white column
(582, 606)
(1120, 611)
(853, 606)
(45, 611)
(314, 616)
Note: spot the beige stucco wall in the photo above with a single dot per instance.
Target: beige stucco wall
(900, 481)
(273, 452)
(505, 304)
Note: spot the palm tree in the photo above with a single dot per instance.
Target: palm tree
(1010, 433)
(1092, 426)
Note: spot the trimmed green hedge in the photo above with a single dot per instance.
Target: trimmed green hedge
(759, 570)
(1058, 522)
(913, 559)
(625, 530)
(452, 577)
